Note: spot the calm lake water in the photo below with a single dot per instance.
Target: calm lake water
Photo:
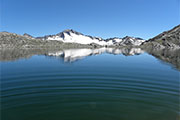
(89, 85)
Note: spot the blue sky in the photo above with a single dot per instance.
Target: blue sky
(103, 18)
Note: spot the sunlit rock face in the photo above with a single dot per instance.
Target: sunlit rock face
(75, 54)
(28, 36)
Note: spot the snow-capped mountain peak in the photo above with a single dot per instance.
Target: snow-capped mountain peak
(72, 36)
(132, 41)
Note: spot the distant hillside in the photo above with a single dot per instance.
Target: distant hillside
(12, 40)
(168, 39)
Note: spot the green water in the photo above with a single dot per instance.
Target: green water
(100, 87)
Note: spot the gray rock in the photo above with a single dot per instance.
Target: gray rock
(166, 40)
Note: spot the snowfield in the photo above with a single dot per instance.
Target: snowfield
(71, 36)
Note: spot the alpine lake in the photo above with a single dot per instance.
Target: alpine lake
(90, 84)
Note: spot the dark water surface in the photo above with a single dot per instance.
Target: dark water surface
(98, 87)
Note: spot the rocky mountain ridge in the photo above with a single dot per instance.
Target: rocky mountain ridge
(168, 39)
(71, 36)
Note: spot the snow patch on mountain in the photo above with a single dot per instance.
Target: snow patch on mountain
(71, 36)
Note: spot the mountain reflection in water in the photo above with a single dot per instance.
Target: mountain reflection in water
(71, 55)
